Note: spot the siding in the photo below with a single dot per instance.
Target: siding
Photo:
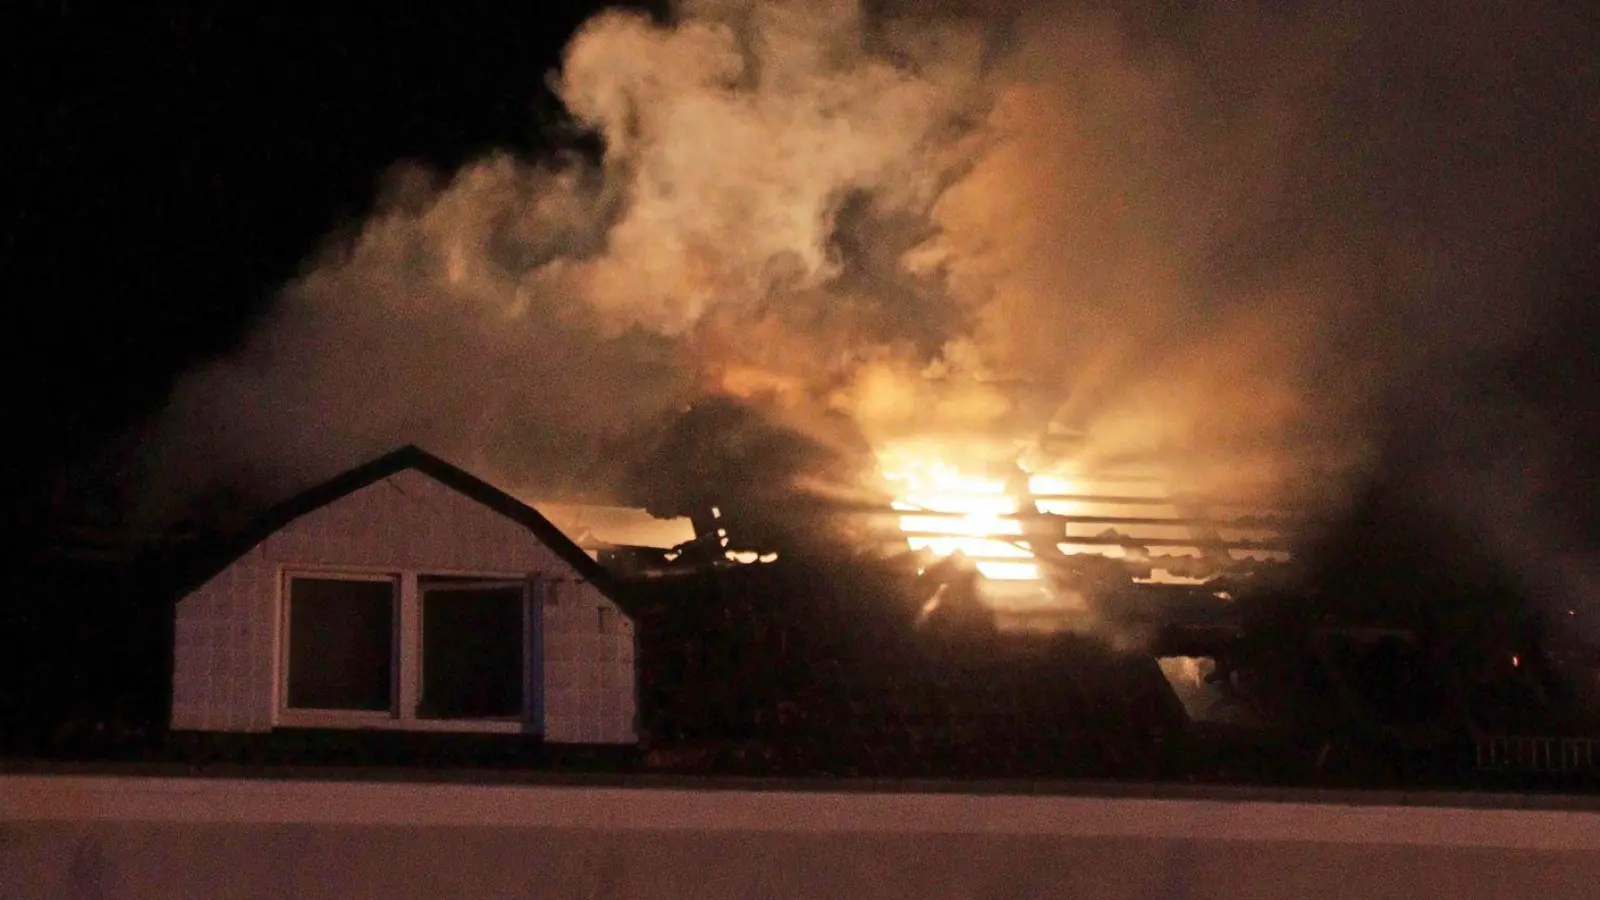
(226, 642)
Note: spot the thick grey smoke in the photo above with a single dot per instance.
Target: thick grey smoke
(1228, 234)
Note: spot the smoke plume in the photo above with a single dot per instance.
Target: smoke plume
(1232, 235)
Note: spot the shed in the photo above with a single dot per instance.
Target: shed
(407, 595)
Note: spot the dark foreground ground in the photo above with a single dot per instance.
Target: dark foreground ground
(136, 837)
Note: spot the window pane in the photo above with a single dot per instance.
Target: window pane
(472, 651)
(341, 644)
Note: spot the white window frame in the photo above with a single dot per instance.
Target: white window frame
(529, 635)
(407, 660)
(347, 717)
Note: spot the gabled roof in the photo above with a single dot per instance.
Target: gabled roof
(409, 457)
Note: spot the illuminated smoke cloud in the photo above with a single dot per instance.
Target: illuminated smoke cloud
(524, 318)
(739, 137)
(1229, 235)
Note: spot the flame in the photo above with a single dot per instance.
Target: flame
(946, 510)
(943, 507)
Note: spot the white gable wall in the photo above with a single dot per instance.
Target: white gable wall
(227, 642)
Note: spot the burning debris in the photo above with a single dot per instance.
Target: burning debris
(954, 555)
(1057, 544)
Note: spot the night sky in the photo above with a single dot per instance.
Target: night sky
(177, 166)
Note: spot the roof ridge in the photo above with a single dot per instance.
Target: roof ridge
(403, 458)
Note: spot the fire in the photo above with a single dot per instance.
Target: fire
(954, 496)
(945, 510)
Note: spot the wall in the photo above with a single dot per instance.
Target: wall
(226, 643)
(133, 838)
(589, 695)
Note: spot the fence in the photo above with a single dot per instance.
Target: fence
(1539, 755)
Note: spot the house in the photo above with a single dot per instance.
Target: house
(408, 595)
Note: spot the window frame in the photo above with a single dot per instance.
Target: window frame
(525, 602)
(406, 648)
(285, 611)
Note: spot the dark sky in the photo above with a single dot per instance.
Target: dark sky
(177, 165)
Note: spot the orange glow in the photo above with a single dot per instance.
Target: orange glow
(948, 510)
(945, 505)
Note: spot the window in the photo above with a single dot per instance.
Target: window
(473, 649)
(421, 651)
(341, 633)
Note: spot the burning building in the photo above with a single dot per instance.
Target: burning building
(828, 272)
(1013, 615)
(968, 608)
